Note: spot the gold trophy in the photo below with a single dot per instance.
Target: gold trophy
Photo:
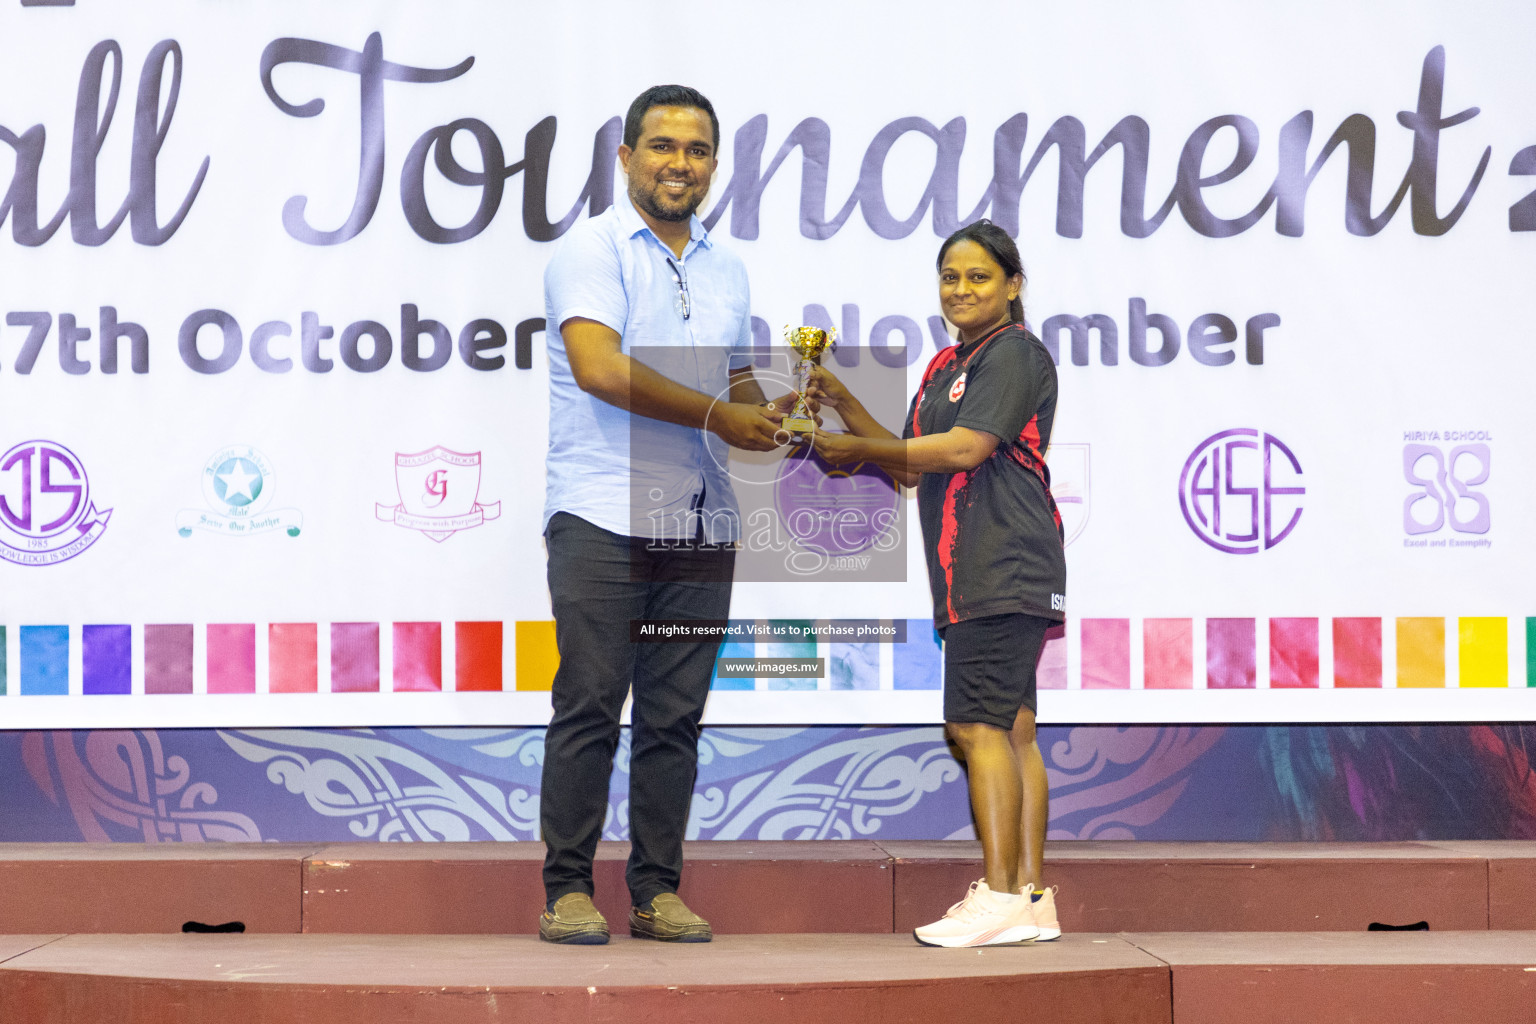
(809, 343)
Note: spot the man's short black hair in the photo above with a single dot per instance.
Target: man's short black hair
(667, 96)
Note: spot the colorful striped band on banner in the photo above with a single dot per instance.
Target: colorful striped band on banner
(477, 656)
(1420, 653)
(1106, 654)
(293, 657)
(1483, 651)
(1051, 671)
(106, 654)
(1230, 654)
(418, 656)
(919, 662)
(1293, 656)
(1530, 651)
(354, 657)
(232, 658)
(1426, 652)
(853, 665)
(1357, 653)
(790, 649)
(45, 660)
(168, 658)
(537, 656)
(1169, 653)
(734, 649)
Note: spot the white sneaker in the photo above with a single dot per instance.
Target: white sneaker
(1043, 905)
(981, 919)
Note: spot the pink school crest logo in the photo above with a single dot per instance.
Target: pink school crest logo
(439, 493)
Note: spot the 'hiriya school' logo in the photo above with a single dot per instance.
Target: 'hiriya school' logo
(238, 484)
(46, 514)
(439, 493)
(1448, 473)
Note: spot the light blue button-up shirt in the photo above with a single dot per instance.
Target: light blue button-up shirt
(628, 474)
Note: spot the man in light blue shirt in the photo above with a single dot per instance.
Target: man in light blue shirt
(650, 332)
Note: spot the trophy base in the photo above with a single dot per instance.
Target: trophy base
(798, 426)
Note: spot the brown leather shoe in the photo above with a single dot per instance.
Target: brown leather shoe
(667, 919)
(575, 921)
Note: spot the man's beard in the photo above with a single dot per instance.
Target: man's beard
(645, 200)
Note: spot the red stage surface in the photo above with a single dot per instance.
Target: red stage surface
(132, 887)
(1337, 978)
(320, 979)
(496, 888)
(763, 887)
(383, 933)
(1177, 977)
(1135, 886)
(1511, 882)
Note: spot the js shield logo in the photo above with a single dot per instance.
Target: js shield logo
(439, 493)
(1070, 486)
(238, 484)
(1238, 487)
(46, 515)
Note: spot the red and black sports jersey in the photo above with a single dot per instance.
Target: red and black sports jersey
(992, 534)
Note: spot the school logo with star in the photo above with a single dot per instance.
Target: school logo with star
(237, 484)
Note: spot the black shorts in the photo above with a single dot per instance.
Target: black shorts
(989, 667)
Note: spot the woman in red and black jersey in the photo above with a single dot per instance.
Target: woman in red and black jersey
(974, 447)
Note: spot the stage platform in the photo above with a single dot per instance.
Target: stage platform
(1164, 978)
(1191, 933)
(463, 979)
(763, 887)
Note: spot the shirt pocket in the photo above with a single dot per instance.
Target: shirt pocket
(717, 313)
(653, 318)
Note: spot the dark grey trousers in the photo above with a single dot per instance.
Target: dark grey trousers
(599, 583)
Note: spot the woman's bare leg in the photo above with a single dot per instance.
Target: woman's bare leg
(995, 778)
(1035, 788)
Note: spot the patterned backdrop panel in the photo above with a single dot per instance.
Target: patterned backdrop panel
(430, 785)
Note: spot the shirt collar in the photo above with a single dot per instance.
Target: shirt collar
(633, 224)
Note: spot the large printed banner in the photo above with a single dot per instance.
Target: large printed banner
(273, 376)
